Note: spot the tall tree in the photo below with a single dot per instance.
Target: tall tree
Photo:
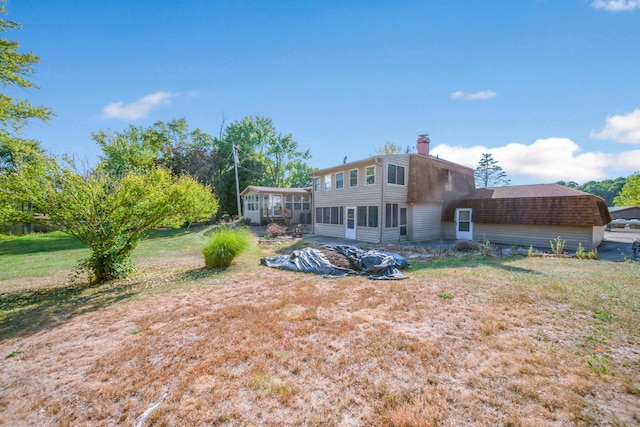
(266, 158)
(630, 193)
(171, 145)
(489, 173)
(15, 69)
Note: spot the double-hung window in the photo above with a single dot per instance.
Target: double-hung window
(395, 174)
(327, 182)
(316, 184)
(353, 178)
(370, 175)
(340, 180)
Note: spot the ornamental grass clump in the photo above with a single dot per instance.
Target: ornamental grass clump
(224, 245)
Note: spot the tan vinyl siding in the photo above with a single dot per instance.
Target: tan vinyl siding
(351, 196)
(330, 230)
(368, 234)
(394, 193)
(539, 236)
(390, 235)
(425, 222)
(253, 215)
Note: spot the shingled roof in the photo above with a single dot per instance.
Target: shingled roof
(276, 190)
(542, 204)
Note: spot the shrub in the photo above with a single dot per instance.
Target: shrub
(275, 230)
(245, 220)
(224, 245)
(466, 246)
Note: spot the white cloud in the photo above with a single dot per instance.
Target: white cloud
(543, 161)
(627, 161)
(623, 128)
(138, 109)
(616, 5)
(485, 94)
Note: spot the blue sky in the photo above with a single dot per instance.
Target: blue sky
(551, 88)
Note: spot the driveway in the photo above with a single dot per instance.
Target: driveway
(617, 245)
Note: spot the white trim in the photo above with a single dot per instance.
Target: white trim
(367, 176)
(357, 178)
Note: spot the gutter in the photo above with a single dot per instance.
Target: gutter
(381, 216)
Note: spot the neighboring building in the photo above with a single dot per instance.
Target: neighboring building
(417, 197)
(625, 212)
(264, 205)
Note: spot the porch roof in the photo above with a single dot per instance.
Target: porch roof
(275, 190)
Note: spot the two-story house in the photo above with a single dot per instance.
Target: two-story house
(388, 198)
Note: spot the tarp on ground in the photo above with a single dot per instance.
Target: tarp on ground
(375, 264)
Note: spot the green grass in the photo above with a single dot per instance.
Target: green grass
(44, 254)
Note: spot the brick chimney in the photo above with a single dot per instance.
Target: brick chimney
(423, 144)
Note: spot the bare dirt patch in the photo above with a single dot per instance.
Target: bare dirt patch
(501, 343)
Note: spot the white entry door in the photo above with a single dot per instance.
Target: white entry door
(350, 223)
(464, 225)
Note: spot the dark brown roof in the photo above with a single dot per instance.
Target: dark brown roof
(427, 178)
(543, 204)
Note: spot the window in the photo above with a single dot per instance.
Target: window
(370, 175)
(265, 201)
(403, 221)
(372, 221)
(391, 215)
(395, 174)
(337, 215)
(327, 182)
(368, 216)
(252, 202)
(326, 215)
(362, 216)
(296, 201)
(353, 178)
(340, 180)
(332, 215)
(316, 183)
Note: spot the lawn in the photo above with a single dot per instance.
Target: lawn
(462, 341)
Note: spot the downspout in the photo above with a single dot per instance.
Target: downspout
(379, 159)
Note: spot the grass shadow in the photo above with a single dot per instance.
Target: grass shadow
(199, 273)
(26, 312)
(471, 261)
(39, 243)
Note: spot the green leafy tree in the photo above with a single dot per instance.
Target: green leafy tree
(265, 157)
(607, 189)
(489, 173)
(630, 193)
(15, 69)
(108, 213)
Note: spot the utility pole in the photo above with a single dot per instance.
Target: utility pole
(235, 165)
